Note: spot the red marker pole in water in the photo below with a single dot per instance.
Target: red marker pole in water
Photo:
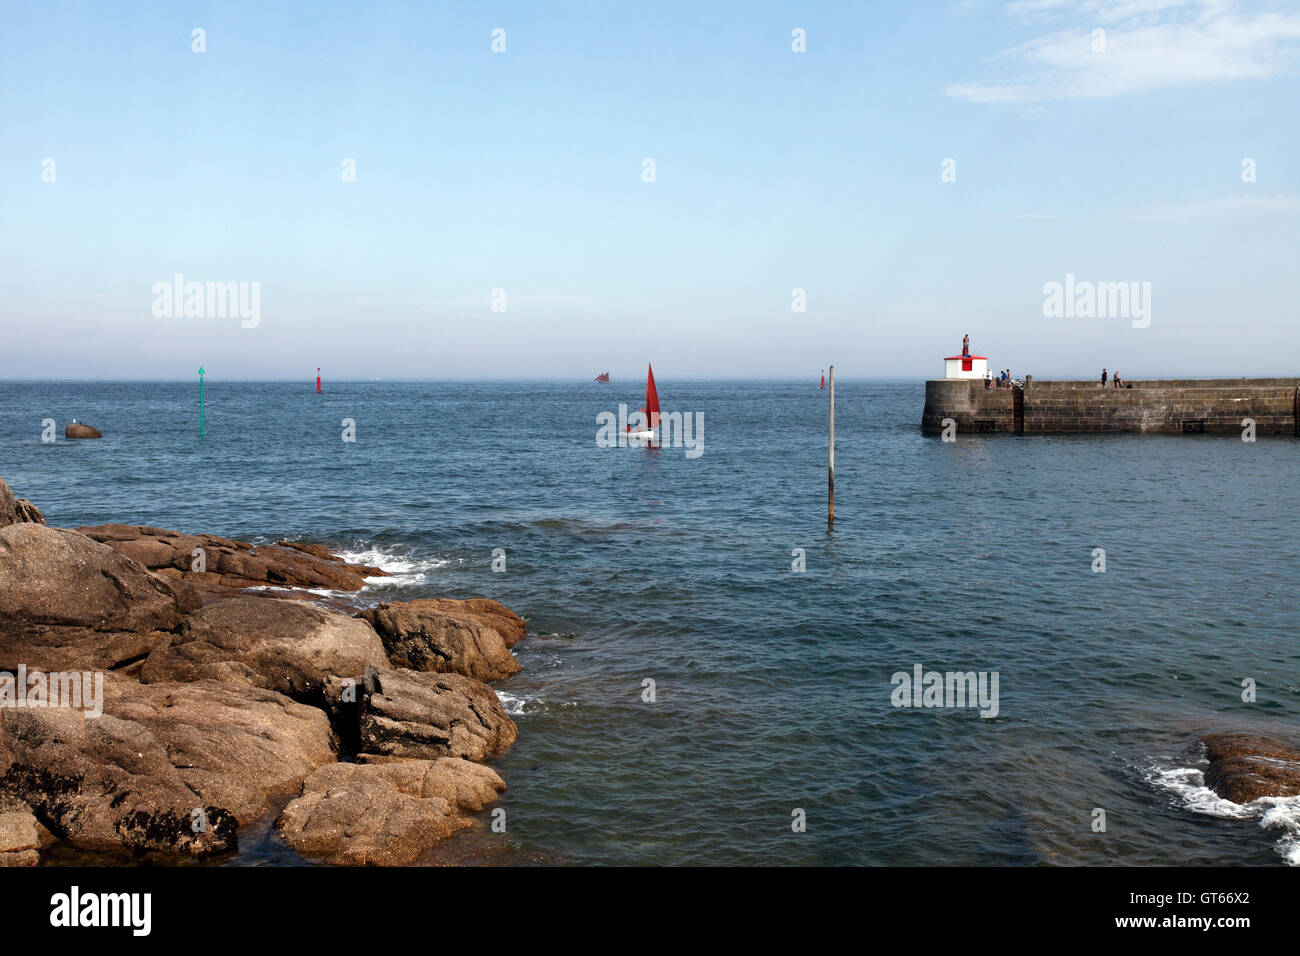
(318, 380)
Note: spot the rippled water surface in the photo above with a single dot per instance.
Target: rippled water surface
(772, 687)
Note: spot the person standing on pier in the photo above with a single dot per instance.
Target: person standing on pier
(1103, 378)
(965, 345)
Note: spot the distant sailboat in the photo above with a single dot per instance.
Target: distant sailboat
(651, 409)
(603, 377)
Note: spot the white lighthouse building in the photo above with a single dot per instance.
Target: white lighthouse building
(965, 366)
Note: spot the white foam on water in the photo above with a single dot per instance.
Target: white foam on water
(1273, 813)
(323, 592)
(515, 706)
(402, 569)
(1189, 784)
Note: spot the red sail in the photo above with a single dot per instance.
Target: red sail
(651, 398)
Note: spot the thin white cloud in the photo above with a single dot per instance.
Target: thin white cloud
(1234, 207)
(1157, 44)
(988, 93)
(1103, 11)
(1035, 9)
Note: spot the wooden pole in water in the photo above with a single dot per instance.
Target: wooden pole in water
(830, 474)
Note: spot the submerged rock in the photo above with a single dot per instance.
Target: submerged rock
(80, 430)
(425, 636)
(285, 646)
(407, 713)
(384, 814)
(1245, 767)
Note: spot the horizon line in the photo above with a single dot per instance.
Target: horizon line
(814, 379)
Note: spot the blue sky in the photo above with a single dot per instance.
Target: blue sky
(774, 170)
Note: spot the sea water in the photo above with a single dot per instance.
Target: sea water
(771, 685)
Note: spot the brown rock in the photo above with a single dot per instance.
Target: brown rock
(494, 614)
(17, 510)
(424, 636)
(280, 645)
(134, 777)
(232, 745)
(21, 835)
(60, 578)
(11, 804)
(384, 814)
(407, 713)
(315, 550)
(188, 597)
(80, 430)
(1244, 767)
(27, 511)
(77, 648)
(216, 565)
(105, 784)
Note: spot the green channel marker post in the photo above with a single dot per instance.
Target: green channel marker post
(200, 401)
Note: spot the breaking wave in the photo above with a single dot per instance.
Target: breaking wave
(403, 567)
(518, 705)
(1281, 814)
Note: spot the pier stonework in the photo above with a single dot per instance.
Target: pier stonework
(967, 402)
(1173, 406)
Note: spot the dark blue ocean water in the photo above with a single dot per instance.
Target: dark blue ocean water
(773, 688)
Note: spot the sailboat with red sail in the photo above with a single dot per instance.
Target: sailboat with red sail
(603, 377)
(650, 410)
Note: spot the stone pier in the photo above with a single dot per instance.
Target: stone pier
(1170, 406)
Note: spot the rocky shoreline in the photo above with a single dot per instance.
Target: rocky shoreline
(227, 686)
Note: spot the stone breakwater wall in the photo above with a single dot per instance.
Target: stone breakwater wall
(1172, 406)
